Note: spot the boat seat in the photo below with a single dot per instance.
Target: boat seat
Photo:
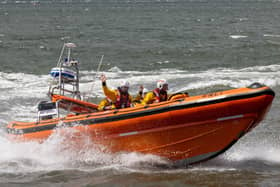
(47, 110)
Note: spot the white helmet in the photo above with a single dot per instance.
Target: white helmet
(145, 90)
(161, 82)
(124, 84)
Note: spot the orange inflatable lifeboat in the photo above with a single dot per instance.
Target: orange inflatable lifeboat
(184, 129)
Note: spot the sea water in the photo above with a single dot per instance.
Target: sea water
(200, 46)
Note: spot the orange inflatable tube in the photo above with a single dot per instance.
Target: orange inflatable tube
(185, 129)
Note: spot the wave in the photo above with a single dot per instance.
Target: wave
(237, 36)
(272, 35)
(266, 150)
(267, 153)
(58, 153)
(26, 86)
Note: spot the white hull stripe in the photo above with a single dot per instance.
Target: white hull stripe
(230, 117)
(219, 119)
(128, 133)
(211, 98)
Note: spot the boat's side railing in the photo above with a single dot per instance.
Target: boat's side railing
(74, 93)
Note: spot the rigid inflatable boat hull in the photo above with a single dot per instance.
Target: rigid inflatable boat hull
(187, 131)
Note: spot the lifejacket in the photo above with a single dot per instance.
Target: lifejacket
(123, 100)
(160, 95)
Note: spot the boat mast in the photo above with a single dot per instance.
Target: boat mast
(66, 72)
(59, 64)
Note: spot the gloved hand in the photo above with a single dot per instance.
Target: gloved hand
(103, 79)
(107, 108)
(141, 87)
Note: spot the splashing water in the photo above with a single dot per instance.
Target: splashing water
(58, 152)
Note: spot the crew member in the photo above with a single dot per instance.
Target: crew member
(105, 104)
(141, 94)
(157, 95)
(120, 98)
